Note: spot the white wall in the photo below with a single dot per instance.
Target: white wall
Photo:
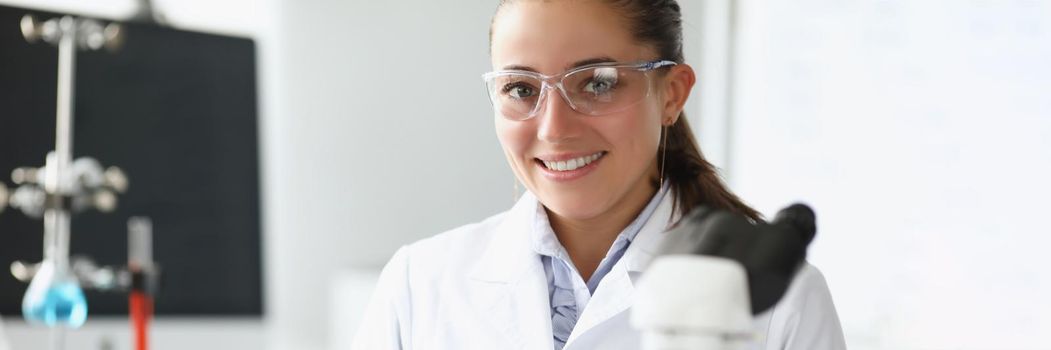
(707, 38)
(386, 137)
(921, 132)
(233, 17)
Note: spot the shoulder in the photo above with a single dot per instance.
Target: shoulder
(452, 253)
(808, 286)
(805, 318)
(417, 279)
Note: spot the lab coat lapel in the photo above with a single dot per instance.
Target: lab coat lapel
(509, 284)
(615, 293)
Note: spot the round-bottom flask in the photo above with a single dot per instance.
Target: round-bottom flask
(54, 298)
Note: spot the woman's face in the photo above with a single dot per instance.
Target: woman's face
(551, 38)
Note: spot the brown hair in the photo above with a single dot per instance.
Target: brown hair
(693, 180)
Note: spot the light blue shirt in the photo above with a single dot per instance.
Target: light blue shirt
(568, 291)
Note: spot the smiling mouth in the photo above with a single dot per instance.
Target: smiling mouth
(571, 164)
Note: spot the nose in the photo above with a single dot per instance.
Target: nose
(558, 121)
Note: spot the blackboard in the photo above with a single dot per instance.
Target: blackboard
(177, 111)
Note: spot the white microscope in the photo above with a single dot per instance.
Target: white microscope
(715, 272)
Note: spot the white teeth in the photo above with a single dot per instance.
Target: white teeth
(572, 164)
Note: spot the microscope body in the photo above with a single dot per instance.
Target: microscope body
(714, 272)
(693, 302)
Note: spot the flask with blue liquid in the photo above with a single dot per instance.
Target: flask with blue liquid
(54, 297)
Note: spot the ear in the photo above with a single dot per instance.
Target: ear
(678, 82)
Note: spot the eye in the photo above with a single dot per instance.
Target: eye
(604, 81)
(519, 90)
(599, 87)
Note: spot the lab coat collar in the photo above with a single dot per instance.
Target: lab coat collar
(515, 285)
(615, 293)
(509, 254)
(648, 240)
(510, 286)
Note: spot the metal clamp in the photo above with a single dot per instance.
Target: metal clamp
(90, 34)
(92, 188)
(141, 271)
(3, 198)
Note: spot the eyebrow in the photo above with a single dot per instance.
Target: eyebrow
(581, 63)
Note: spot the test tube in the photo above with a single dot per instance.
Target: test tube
(140, 243)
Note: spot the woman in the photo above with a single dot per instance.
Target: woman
(584, 93)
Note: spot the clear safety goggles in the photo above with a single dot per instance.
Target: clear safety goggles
(595, 89)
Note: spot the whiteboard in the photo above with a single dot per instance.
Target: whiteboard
(921, 132)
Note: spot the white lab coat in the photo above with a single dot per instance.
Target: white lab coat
(482, 286)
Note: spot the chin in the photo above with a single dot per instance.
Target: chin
(574, 206)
